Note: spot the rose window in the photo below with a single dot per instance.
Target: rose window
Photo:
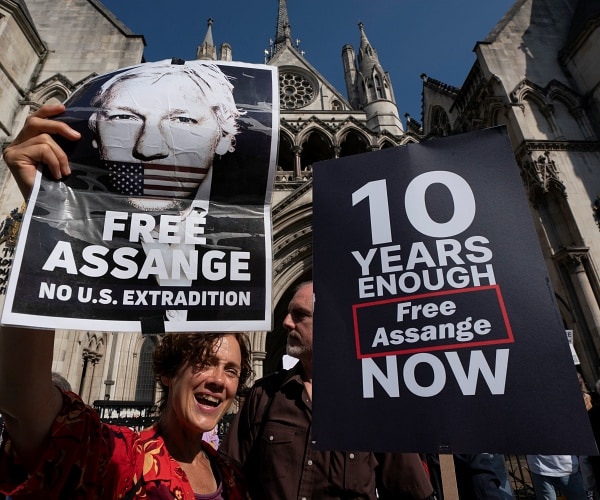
(295, 90)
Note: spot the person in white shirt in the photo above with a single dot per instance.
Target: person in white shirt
(552, 473)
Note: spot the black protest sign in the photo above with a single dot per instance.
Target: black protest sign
(436, 327)
(164, 223)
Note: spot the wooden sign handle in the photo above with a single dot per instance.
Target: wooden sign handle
(448, 473)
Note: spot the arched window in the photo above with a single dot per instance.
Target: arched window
(315, 148)
(353, 143)
(440, 125)
(144, 389)
(378, 88)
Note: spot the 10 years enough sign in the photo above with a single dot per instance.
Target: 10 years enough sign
(435, 325)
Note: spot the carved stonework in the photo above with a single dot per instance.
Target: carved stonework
(296, 89)
(596, 210)
(9, 227)
(541, 175)
(572, 257)
(291, 257)
(91, 356)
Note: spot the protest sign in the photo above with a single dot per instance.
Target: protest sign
(436, 327)
(165, 222)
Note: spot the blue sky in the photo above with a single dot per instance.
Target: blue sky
(435, 37)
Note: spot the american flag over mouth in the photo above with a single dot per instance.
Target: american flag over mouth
(149, 179)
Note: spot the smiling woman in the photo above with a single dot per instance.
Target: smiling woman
(206, 355)
(200, 374)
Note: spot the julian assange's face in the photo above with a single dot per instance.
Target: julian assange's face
(199, 396)
(299, 324)
(173, 132)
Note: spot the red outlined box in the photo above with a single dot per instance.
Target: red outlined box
(459, 345)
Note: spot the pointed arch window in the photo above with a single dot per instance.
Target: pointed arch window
(440, 125)
(144, 389)
(353, 143)
(378, 87)
(316, 147)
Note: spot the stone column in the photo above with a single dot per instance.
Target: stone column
(572, 259)
(297, 162)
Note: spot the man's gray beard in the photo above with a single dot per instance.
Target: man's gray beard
(297, 351)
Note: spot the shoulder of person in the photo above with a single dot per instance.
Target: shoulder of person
(274, 382)
(271, 382)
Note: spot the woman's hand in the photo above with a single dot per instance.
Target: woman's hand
(34, 145)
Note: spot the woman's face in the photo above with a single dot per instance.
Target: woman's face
(199, 396)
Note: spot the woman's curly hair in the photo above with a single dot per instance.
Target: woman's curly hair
(175, 350)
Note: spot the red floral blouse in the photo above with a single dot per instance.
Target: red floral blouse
(87, 459)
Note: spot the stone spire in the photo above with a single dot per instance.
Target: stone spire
(372, 88)
(283, 35)
(367, 55)
(207, 50)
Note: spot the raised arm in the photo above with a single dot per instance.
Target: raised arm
(34, 145)
(29, 402)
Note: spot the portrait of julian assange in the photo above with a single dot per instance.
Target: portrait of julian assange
(164, 222)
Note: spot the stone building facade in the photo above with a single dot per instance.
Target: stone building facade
(534, 73)
(46, 54)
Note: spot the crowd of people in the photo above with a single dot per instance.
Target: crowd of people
(55, 446)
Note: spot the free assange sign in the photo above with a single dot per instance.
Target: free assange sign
(436, 328)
